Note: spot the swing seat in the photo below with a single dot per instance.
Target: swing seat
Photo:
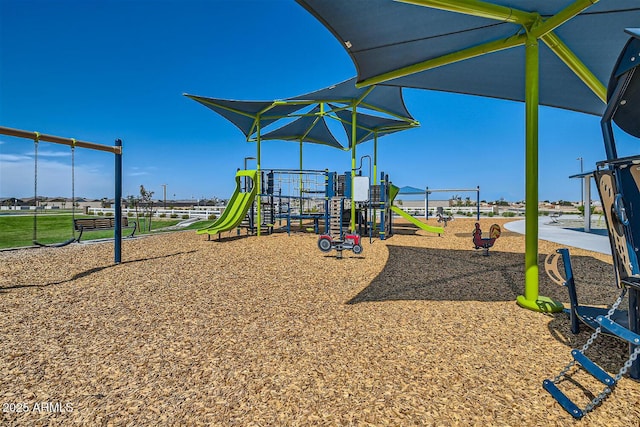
(55, 245)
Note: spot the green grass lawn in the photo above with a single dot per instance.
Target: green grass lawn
(17, 230)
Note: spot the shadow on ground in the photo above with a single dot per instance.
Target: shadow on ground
(413, 273)
(89, 272)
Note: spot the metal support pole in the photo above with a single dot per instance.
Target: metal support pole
(117, 245)
(582, 190)
(353, 168)
(426, 203)
(258, 178)
(478, 203)
(531, 298)
(375, 173)
(301, 184)
(587, 203)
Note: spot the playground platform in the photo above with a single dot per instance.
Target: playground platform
(564, 233)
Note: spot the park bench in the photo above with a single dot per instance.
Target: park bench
(93, 224)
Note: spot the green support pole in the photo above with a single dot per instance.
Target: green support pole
(531, 299)
(375, 172)
(259, 207)
(300, 222)
(353, 167)
(375, 158)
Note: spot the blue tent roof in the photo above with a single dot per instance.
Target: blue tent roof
(410, 190)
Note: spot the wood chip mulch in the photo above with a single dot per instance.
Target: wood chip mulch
(248, 331)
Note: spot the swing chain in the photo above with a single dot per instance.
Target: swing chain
(73, 187)
(607, 390)
(591, 339)
(613, 308)
(36, 140)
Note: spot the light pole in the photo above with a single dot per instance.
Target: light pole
(581, 184)
(164, 196)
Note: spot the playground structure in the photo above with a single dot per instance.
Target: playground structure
(73, 143)
(487, 242)
(618, 181)
(342, 102)
(322, 197)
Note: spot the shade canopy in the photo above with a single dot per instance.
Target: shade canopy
(407, 189)
(307, 128)
(244, 114)
(370, 127)
(385, 99)
(413, 43)
(336, 101)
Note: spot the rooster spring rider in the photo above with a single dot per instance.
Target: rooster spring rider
(485, 243)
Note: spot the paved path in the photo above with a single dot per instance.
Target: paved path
(554, 233)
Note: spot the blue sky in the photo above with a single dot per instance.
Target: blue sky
(98, 71)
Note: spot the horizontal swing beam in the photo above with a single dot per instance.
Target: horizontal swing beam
(59, 140)
(453, 190)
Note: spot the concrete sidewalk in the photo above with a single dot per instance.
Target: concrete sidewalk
(554, 233)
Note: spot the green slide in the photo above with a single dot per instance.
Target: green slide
(420, 224)
(393, 190)
(237, 207)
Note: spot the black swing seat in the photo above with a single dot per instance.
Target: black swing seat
(92, 224)
(55, 245)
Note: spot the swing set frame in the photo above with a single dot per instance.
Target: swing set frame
(73, 143)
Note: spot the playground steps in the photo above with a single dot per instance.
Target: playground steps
(619, 330)
(335, 214)
(595, 370)
(589, 366)
(602, 324)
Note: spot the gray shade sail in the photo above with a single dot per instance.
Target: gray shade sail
(337, 101)
(382, 36)
(381, 98)
(244, 114)
(308, 128)
(369, 127)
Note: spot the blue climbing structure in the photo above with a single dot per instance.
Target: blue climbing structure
(618, 181)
